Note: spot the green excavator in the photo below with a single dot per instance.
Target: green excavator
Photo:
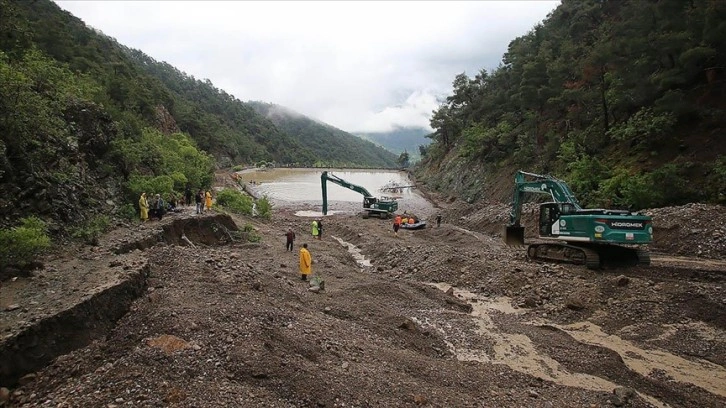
(371, 204)
(569, 233)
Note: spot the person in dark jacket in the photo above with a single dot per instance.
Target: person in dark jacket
(159, 207)
(199, 200)
(290, 236)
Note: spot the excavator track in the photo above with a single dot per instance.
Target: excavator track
(643, 257)
(592, 256)
(560, 252)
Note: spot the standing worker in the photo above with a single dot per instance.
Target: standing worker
(158, 206)
(315, 229)
(144, 207)
(306, 262)
(438, 220)
(208, 200)
(396, 224)
(320, 229)
(199, 200)
(290, 236)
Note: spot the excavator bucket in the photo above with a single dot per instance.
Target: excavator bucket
(514, 235)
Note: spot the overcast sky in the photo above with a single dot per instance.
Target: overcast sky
(360, 66)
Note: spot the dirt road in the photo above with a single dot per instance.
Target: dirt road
(442, 317)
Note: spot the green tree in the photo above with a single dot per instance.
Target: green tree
(403, 159)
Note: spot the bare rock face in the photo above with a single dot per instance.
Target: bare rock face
(164, 121)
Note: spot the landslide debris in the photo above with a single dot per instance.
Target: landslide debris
(444, 316)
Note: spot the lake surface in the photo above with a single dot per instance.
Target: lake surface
(304, 184)
(300, 186)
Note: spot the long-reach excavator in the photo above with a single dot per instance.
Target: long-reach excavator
(371, 204)
(569, 233)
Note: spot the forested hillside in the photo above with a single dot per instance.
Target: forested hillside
(86, 123)
(623, 99)
(332, 146)
(410, 140)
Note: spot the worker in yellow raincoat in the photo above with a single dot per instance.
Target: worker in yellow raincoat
(306, 262)
(208, 200)
(144, 207)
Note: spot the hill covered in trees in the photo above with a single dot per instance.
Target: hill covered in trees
(86, 123)
(332, 146)
(623, 99)
(410, 140)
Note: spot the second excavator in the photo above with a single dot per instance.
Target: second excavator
(371, 205)
(569, 233)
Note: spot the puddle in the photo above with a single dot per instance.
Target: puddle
(518, 352)
(316, 214)
(356, 252)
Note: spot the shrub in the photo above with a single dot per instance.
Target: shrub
(234, 201)
(666, 185)
(128, 212)
(264, 208)
(150, 185)
(638, 192)
(249, 231)
(90, 231)
(584, 177)
(21, 244)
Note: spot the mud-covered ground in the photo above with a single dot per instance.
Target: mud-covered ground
(444, 317)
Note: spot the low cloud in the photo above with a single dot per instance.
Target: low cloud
(359, 66)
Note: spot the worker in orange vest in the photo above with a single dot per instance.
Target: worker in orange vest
(396, 224)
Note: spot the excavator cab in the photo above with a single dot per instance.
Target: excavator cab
(549, 215)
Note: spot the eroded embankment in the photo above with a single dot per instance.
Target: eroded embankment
(69, 303)
(47, 338)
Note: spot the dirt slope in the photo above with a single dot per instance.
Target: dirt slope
(443, 317)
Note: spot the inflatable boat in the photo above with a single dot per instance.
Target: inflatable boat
(414, 226)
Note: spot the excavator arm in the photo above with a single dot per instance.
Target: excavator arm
(536, 184)
(325, 177)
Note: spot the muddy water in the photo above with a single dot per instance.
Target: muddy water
(356, 252)
(711, 377)
(296, 187)
(518, 352)
(299, 184)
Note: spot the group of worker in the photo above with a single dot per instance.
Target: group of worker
(402, 220)
(156, 207)
(305, 257)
